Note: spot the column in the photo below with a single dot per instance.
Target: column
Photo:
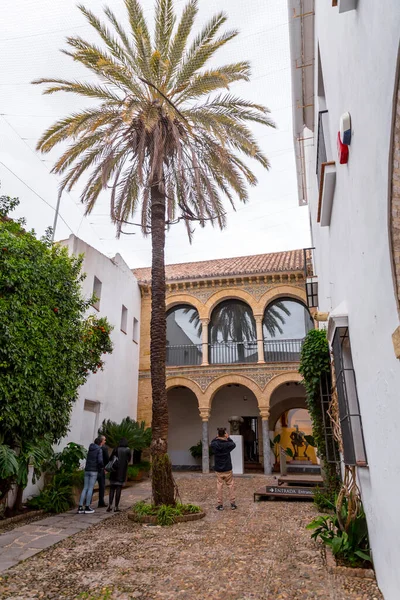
(266, 445)
(260, 340)
(204, 340)
(206, 455)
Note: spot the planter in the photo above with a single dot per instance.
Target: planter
(152, 519)
(138, 477)
(335, 569)
(17, 518)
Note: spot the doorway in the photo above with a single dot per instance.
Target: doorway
(249, 431)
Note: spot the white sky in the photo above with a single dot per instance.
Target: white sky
(31, 35)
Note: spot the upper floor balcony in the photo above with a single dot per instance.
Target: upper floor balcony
(235, 336)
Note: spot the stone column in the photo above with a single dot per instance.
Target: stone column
(204, 340)
(266, 445)
(260, 340)
(206, 456)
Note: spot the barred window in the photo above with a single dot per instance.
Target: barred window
(349, 410)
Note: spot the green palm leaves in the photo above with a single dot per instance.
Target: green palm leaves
(160, 119)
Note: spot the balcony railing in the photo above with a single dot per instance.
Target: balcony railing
(282, 350)
(228, 353)
(190, 354)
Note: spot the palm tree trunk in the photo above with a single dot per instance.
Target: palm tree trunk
(163, 487)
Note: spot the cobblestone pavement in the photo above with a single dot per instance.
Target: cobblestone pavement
(259, 552)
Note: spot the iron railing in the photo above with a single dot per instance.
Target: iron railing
(190, 354)
(282, 350)
(228, 353)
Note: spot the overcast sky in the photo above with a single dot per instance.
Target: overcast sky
(31, 35)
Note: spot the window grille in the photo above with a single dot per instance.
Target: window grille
(349, 410)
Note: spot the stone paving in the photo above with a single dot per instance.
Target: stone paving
(261, 551)
(27, 540)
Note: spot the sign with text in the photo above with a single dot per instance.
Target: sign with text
(289, 491)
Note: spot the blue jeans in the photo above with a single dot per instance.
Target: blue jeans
(88, 485)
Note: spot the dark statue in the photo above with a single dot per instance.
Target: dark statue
(298, 441)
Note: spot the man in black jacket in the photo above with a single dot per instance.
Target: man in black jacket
(101, 477)
(222, 447)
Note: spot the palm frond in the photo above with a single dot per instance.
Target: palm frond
(164, 26)
(178, 43)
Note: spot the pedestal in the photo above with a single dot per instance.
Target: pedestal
(237, 455)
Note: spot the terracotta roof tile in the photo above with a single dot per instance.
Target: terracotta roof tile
(292, 260)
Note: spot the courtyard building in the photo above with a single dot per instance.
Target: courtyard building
(235, 329)
(346, 125)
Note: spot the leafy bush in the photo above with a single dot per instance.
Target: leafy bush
(323, 500)
(133, 472)
(70, 457)
(197, 450)
(48, 346)
(166, 515)
(56, 496)
(351, 546)
(137, 434)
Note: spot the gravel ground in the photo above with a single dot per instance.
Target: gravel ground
(261, 551)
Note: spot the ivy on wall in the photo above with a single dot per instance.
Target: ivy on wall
(315, 363)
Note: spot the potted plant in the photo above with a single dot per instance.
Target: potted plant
(137, 472)
(197, 451)
(274, 444)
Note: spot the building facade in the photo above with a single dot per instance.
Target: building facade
(234, 334)
(112, 393)
(345, 73)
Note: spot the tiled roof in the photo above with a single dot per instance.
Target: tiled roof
(292, 260)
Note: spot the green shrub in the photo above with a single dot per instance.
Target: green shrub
(133, 472)
(351, 546)
(197, 450)
(324, 500)
(137, 434)
(56, 496)
(166, 515)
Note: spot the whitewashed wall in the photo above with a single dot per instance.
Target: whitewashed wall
(358, 53)
(115, 389)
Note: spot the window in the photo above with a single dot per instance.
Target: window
(90, 421)
(124, 319)
(184, 332)
(97, 293)
(232, 334)
(135, 330)
(285, 325)
(349, 410)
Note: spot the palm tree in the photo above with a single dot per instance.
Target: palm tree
(161, 138)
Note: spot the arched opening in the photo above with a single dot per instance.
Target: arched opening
(235, 399)
(184, 429)
(286, 323)
(183, 336)
(232, 334)
(290, 424)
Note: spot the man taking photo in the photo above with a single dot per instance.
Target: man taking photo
(222, 447)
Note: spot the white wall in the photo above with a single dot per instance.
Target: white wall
(185, 428)
(229, 402)
(115, 388)
(358, 54)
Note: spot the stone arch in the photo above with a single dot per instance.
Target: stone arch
(184, 299)
(184, 382)
(394, 187)
(228, 294)
(278, 380)
(223, 380)
(282, 291)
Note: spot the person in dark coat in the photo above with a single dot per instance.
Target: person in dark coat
(118, 475)
(94, 462)
(101, 477)
(222, 447)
